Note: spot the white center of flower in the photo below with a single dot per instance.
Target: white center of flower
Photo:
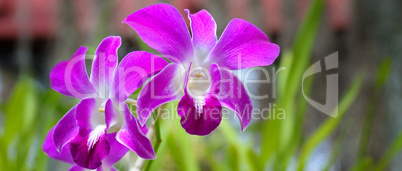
(94, 136)
(199, 82)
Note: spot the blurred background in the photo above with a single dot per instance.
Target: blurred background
(367, 34)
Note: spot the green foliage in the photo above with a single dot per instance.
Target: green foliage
(28, 115)
(394, 149)
(330, 124)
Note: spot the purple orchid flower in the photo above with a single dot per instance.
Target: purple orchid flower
(199, 73)
(118, 149)
(90, 128)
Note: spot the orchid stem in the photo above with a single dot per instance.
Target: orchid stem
(158, 138)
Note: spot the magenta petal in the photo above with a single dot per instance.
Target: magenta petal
(203, 29)
(234, 96)
(163, 28)
(163, 88)
(89, 148)
(143, 128)
(65, 130)
(203, 123)
(243, 45)
(117, 151)
(84, 112)
(133, 70)
(110, 114)
(132, 137)
(50, 149)
(70, 77)
(215, 72)
(104, 64)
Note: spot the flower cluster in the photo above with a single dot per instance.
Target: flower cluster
(101, 129)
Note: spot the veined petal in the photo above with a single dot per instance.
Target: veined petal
(200, 115)
(203, 29)
(243, 45)
(70, 77)
(104, 64)
(234, 96)
(163, 88)
(52, 152)
(132, 137)
(198, 122)
(163, 28)
(65, 130)
(90, 146)
(133, 71)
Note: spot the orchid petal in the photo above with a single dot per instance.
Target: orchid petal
(70, 77)
(65, 130)
(143, 128)
(234, 96)
(202, 123)
(203, 29)
(132, 137)
(84, 112)
(117, 151)
(163, 88)
(163, 28)
(243, 45)
(104, 64)
(133, 70)
(90, 146)
(111, 115)
(215, 72)
(52, 152)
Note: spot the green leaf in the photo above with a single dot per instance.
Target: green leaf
(20, 110)
(303, 46)
(277, 135)
(330, 124)
(390, 154)
(383, 71)
(363, 164)
(337, 148)
(180, 143)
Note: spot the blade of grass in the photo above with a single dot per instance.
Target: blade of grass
(302, 50)
(158, 139)
(390, 154)
(330, 124)
(337, 147)
(180, 143)
(383, 72)
(363, 164)
(232, 138)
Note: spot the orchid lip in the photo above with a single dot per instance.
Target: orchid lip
(94, 136)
